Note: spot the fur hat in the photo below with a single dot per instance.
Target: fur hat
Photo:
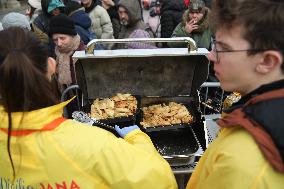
(62, 24)
(15, 19)
(35, 4)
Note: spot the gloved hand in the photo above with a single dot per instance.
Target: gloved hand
(125, 130)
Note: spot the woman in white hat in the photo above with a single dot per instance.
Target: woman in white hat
(33, 10)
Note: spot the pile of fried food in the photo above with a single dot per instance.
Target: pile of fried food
(121, 105)
(166, 115)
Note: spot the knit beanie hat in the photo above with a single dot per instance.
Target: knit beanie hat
(54, 4)
(196, 6)
(62, 24)
(35, 4)
(14, 19)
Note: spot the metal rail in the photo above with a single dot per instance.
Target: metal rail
(191, 45)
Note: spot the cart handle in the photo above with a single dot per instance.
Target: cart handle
(191, 45)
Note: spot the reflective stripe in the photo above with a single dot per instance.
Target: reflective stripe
(50, 126)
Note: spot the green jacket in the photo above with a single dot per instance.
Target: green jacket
(202, 36)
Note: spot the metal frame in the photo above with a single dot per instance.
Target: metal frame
(211, 128)
(208, 85)
(191, 45)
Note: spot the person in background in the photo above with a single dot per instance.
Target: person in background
(130, 20)
(186, 2)
(248, 58)
(81, 20)
(139, 45)
(112, 7)
(195, 24)
(208, 3)
(15, 19)
(154, 17)
(101, 23)
(33, 10)
(40, 26)
(171, 16)
(36, 140)
(67, 41)
(55, 7)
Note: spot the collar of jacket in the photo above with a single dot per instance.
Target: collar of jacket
(93, 5)
(34, 119)
(262, 89)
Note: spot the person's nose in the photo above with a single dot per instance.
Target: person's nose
(194, 15)
(59, 43)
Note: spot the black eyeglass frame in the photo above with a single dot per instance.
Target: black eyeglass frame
(216, 52)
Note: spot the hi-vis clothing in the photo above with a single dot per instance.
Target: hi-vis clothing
(248, 153)
(51, 152)
(234, 161)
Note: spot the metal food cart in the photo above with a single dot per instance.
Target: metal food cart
(171, 74)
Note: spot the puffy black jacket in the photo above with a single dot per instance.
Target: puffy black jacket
(171, 15)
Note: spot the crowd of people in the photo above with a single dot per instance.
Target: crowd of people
(67, 26)
(41, 149)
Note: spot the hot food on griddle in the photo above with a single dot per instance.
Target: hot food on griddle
(121, 105)
(162, 114)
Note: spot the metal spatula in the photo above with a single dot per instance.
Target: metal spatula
(82, 117)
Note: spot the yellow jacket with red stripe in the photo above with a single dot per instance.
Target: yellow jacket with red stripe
(74, 155)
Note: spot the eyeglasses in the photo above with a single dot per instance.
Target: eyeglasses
(216, 52)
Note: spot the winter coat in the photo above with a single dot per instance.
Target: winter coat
(171, 16)
(101, 23)
(202, 36)
(50, 152)
(114, 17)
(40, 26)
(82, 23)
(248, 155)
(208, 3)
(135, 21)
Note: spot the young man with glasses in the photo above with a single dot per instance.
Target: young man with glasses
(248, 57)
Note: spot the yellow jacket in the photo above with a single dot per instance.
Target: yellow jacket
(234, 161)
(74, 155)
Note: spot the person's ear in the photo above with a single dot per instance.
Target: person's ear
(269, 61)
(51, 66)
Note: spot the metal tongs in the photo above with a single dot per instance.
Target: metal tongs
(82, 117)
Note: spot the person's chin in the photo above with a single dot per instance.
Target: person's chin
(124, 23)
(84, 4)
(62, 50)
